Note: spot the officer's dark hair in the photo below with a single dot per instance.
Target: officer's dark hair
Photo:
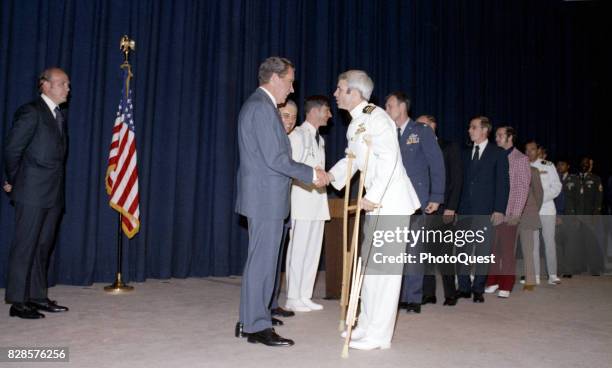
(315, 102)
(532, 141)
(510, 132)
(401, 98)
(431, 118)
(564, 159)
(273, 64)
(485, 122)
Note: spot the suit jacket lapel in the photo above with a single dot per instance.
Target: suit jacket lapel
(483, 156)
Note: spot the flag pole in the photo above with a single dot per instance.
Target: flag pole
(119, 287)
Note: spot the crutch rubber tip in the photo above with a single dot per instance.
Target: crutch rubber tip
(344, 354)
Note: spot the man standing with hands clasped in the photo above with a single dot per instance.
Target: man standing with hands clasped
(264, 179)
(34, 159)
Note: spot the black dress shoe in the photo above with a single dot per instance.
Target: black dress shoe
(566, 276)
(47, 306)
(268, 337)
(450, 301)
(413, 307)
(238, 330)
(277, 322)
(464, 294)
(478, 298)
(280, 312)
(24, 311)
(429, 299)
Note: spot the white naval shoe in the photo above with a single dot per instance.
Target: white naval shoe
(311, 305)
(367, 344)
(296, 305)
(553, 280)
(356, 334)
(503, 294)
(491, 289)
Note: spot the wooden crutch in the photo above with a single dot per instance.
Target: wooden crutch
(346, 253)
(355, 262)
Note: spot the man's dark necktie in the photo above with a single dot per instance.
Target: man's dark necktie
(476, 150)
(59, 118)
(399, 134)
(317, 137)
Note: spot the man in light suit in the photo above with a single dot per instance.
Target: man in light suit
(548, 213)
(34, 158)
(484, 198)
(424, 164)
(264, 179)
(389, 201)
(309, 209)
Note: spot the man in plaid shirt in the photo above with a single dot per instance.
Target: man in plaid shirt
(501, 273)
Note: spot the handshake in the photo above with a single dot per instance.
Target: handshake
(323, 178)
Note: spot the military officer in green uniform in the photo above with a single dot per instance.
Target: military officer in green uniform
(585, 203)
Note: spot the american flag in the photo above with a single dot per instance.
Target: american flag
(122, 172)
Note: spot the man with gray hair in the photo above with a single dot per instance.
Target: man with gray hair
(37, 136)
(264, 178)
(389, 202)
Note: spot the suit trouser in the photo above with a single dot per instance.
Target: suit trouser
(590, 232)
(305, 241)
(475, 223)
(502, 272)
(382, 282)
(549, 224)
(279, 266)
(567, 240)
(447, 270)
(35, 230)
(259, 273)
(527, 237)
(412, 282)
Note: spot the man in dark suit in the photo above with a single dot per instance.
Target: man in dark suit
(34, 159)
(424, 164)
(445, 219)
(264, 179)
(484, 198)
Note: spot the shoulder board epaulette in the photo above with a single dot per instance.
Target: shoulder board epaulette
(368, 109)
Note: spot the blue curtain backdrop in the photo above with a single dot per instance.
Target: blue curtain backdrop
(540, 66)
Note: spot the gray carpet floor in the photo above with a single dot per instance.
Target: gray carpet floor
(190, 322)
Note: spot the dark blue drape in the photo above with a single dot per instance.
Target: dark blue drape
(540, 66)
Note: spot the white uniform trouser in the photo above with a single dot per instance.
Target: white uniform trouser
(303, 252)
(379, 298)
(548, 233)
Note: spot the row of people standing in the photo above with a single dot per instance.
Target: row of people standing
(486, 184)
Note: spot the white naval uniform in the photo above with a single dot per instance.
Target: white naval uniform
(552, 187)
(386, 183)
(309, 210)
